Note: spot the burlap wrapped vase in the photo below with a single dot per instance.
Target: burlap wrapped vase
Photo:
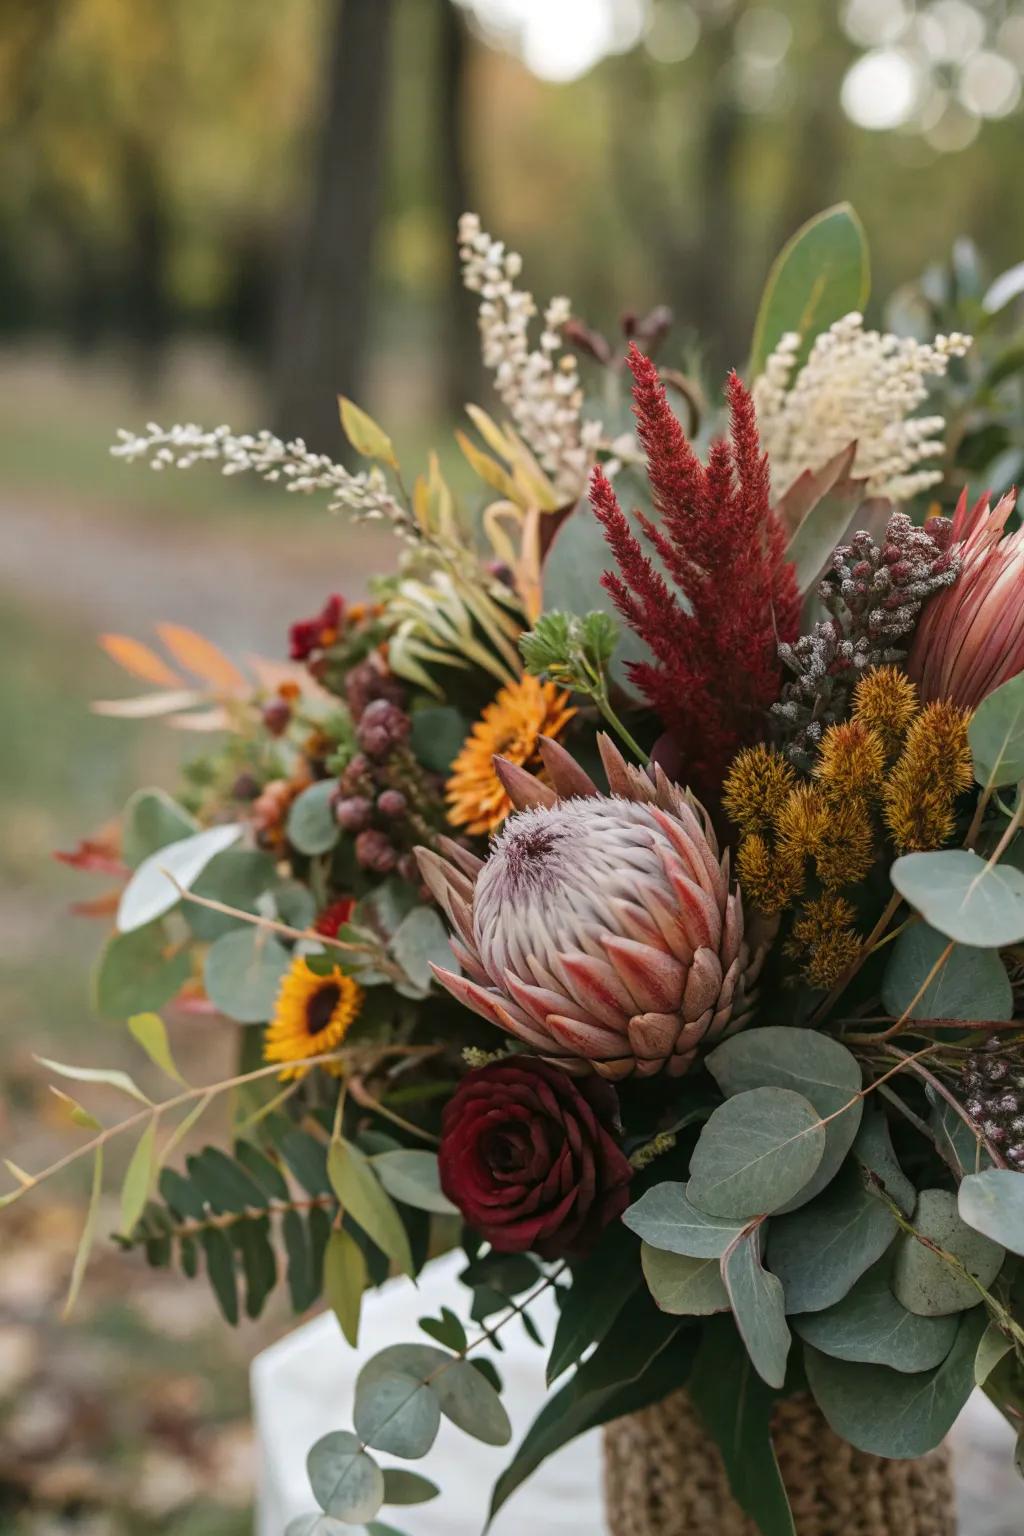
(664, 1477)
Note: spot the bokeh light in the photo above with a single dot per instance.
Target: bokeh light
(882, 89)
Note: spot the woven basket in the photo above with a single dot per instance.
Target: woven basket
(664, 1477)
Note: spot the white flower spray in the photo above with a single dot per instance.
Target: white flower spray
(855, 384)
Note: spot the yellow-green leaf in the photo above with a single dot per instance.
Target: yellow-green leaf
(345, 1281)
(138, 1179)
(151, 1033)
(77, 1113)
(85, 1242)
(821, 274)
(364, 1198)
(489, 470)
(365, 435)
(183, 1127)
(109, 1078)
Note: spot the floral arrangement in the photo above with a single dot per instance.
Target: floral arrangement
(630, 892)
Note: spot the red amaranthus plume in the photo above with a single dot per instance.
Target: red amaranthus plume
(715, 672)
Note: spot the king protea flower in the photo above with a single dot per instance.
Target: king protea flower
(971, 636)
(601, 929)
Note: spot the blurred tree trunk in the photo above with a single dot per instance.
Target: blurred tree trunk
(459, 343)
(325, 309)
(145, 304)
(711, 274)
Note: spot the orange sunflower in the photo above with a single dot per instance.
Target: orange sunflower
(509, 727)
(312, 1015)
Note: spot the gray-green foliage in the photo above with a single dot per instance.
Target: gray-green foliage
(756, 1151)
(923, 1280)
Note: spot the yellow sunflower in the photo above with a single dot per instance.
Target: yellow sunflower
(312, 1015)
(509, 727)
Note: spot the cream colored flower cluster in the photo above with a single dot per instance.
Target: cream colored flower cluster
(855, 384)
(539, 385)
(261, 453)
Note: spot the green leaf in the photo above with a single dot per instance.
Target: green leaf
(259, 1263)
(889, 1413)
(870, 1326)
(963, 897)
(317, 1524)
(395, 1412)
(137, 972)
(820, 1251)
(420, 940)
(88, 1236)
(152, 891)
(601, 1287)
(821, 274)
(469, 1400)
(755, 1153)
(925, 1283)
(108, 1078)
(833, 499)
(447, 1330)
(758, 1307)
(682, 1286)
(220, 1267)
(294, 904)
(365, 1200)
(150, 1032)
(808, 1063)
(77, 1113)
(736, 1407)
(311, 826)
(364, 434)
(666, 1219)
(223, 1184)
(138, 1179)
(404, 1487)
(411, 1177)
(151, 820)
(874, 1152)
(972, 983)
(993, 1203)
(238, 878)
(438, 733)
(346, 1482)
(242, 973)
(993, 1346)
(344, 1281)
(996, 736)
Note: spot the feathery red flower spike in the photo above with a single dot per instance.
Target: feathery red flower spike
(715, 672)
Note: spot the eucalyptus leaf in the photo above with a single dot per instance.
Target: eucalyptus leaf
(926, 1283)
(419, 941)
(365, 1200)
(873, 1150)
(971, 983)
(316, 1523)
(469, 1400)
(666, 1219)
(820, 1251)
(996, 736)
(821, 274)
(889, 1413)
(993, 1346)
(963, 897)
(151, 820)
(138, 972)
(437, 735)
(311, 826)
(682, 1286)
(758, 1305)
(156, 885)
(404, 1487)
(993, 1203)
(238, 877)
(243, 971)
(396, 1412)
(755, 1153)
(346, 1482)
(411, 1176)
(870, 1326)
(808, 1063)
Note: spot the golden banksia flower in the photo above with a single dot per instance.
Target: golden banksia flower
(934, 767)
(885, 700)
(850, 761)
(823, 938)
(312, 1016)
(757, 785)
(847, 848)
(510, 727)
(801, 822)
(770, 879)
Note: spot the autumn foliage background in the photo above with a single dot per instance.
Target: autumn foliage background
(230, 212)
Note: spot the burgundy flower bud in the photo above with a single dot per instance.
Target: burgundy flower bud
(375, 853)
(392, 804)
(277, 716)
(370, 680)
(382, 727)
(354, 775)
(353, 813)
(245, 787)
(532, 1159)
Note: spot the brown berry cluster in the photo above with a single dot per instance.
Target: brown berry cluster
(993, 1082)
(385, 799)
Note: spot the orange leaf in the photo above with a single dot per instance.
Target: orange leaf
(203, 658)
(140, 661)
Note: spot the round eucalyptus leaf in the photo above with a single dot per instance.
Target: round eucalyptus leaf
(820, 1251)
(996, 735)
(317, 1524)
(993, 1203)
(926, 1283)
(664, 1218)
(869, 1325)
(151, 820)
(396, 1412)
(411, 1177)
(808, 1063)
(138, 972)
(347, 1483)
(963, 897)
(469, 1400)
(311, 826)
(237, 878)
(419, 941)
(684, 1286)
(154, 887)
(242, 973)
(971, 984)
(755, 1153)
(758, 1306)
(403, 1487)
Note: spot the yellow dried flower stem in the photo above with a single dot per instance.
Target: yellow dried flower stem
(848, 846)
(885, 700)
(756, 787)
(824, 940)
(851, 761)
(934, 767)
(769, 878)
(801, 822)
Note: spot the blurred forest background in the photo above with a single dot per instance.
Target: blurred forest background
(222, 211)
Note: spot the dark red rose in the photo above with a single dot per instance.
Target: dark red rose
(316, 634)
(532, 1159)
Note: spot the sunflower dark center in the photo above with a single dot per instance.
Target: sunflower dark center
(320, 1007)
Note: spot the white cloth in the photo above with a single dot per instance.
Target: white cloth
(303, 1387)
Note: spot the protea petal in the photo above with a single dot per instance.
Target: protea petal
(655, 980)
(522, 788)
(564, 772)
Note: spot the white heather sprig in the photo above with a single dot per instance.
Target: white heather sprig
(364, 495)
(855, 384)
(539, 385)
